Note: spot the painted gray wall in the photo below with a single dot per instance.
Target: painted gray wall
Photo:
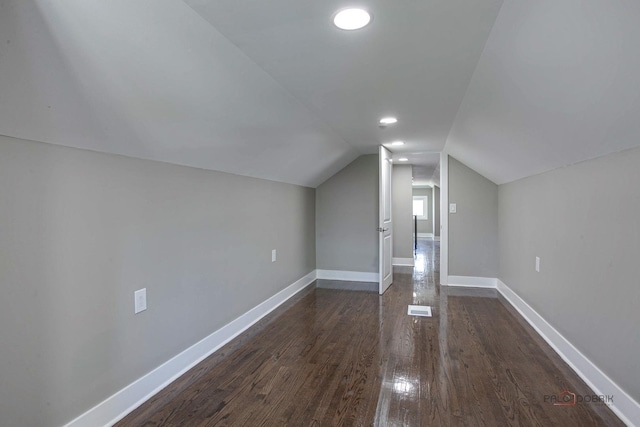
(473, 230)
(425, 225)
(582, 221)
(436, 214)
(347, 218)
(402, 212)
(80, 231)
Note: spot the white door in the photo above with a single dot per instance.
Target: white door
(384, 222)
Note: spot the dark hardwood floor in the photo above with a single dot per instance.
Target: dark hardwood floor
(338, 357)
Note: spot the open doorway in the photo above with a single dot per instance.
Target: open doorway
(416, 208)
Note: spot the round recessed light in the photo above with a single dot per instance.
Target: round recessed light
(351, 19)
(397, 143)
(403, 159)
(388, 120)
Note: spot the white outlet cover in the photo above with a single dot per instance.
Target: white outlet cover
(453, 208)
(140, 300)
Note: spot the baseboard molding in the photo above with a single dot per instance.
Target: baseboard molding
(408, 262)
(625, 407)
(427, 235)
(351, 276)
(116, 407)
(472, 282)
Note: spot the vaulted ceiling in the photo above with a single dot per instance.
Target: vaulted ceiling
(272, 89)
(557, 83)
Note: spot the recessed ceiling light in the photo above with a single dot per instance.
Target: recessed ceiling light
(397, 143)
(403, 159)
(388, 120)
(351, 19)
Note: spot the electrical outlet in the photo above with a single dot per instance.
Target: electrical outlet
(140, 300)
(538, 264)
(453, 208)
(273, 255)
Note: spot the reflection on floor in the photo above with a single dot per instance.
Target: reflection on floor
(333, 357)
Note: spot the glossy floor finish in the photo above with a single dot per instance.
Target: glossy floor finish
(339, 357)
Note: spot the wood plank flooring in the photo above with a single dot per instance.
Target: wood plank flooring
(337, 357)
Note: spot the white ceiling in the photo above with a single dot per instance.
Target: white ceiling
(272, 89)
(424, 167)
(266, 89)
(558, 83)
(424, 176)
(151, 79)
(414, 61)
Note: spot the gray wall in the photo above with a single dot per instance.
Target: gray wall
(402, 212)
(473, 230)
(583, 222)
(80, 231)
(347, 218)
(425, 225)
(436, 213)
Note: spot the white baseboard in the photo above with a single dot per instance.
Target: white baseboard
(627, 409)
(129, 398)
(408, 262)
(624, 406)
(116, 407)
(352, 276)
(427, 235)
(472, 282)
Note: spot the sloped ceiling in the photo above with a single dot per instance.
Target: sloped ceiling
(269, 89)
(272, 89)
(151, 79)
(557, 83)
(414, 61)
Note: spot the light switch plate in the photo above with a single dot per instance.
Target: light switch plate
(140, 300)
(538, 264)
(273, 255)
(453, 208)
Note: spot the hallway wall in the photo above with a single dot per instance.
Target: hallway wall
(80, 231)
(347, 218)
(582, 221)
(402, 212)
(473, 230)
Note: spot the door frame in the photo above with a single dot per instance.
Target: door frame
(444, 218)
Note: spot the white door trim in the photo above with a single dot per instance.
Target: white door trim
(444, 218)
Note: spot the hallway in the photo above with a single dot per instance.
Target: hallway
(334, 357)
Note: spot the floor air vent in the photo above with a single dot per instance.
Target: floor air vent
(419, 310)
